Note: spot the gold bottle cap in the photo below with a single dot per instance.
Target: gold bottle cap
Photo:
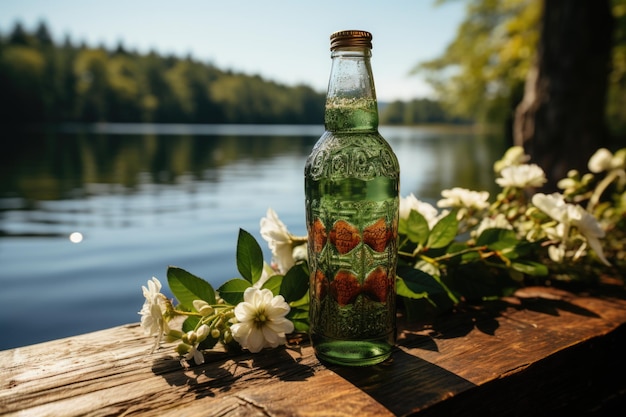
(348, 38)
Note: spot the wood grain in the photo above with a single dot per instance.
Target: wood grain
(544, 346)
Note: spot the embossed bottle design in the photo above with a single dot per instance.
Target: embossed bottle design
(352, 198)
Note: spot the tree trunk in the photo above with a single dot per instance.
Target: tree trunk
(561, 119)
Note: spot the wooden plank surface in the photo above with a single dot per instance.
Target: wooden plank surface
(504, 357)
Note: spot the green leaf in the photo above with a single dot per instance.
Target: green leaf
(443, 232)
(190, 323)
(530, 268)
(295, 283)
(298, 314)
(526, 248)
(415, 227)
(417, 282)
(249, 257)
(187, 287)
(403, 290)
(300, 326)
(232, 291)
(302, 303)
(273, 284)
(498, 239)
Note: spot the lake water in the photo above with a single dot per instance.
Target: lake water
(147, 196)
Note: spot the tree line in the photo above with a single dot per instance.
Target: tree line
(418, 111)
(47, 82)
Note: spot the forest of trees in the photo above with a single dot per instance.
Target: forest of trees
(483, 76)
(417, 111)
(45, 82)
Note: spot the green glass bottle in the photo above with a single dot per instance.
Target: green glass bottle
(352, 201)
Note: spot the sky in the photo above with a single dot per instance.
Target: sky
(280, 40)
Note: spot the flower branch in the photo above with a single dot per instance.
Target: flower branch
(463, 248)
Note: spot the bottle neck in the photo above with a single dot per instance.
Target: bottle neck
(351, 99)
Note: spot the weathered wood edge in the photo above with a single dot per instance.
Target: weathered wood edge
(507, 353)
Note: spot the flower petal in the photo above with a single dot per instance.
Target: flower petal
(256, 340)
(271, 337)
(281, 326)
(597, 248)
(245, 311)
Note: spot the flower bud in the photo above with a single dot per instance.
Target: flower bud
(566, 183)
(600, 160)
(183, 349)
(573, 174)
(587, 178)
(202, 333)
(299, 253)
(190, 337)
(619, 159)
(215, 333)
(202, 307)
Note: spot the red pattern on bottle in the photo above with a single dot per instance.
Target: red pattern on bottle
(378, 284)
(345, 288)
(377, 235)
(318, 231)
(344, 236)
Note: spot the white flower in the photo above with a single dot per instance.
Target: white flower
(513, 156)
(462, 197)
(498, 222)
(425, 209)
(261, 320)
(600, 161)
(151, 318)
(589, 227)
(153, 291)
(152, 321)
(522, 176)
(279, 240)
(195, 354)
(554, 205)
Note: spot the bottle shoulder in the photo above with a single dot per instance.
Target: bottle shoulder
(363, 155)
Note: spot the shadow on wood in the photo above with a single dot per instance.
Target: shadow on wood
(405, 384)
